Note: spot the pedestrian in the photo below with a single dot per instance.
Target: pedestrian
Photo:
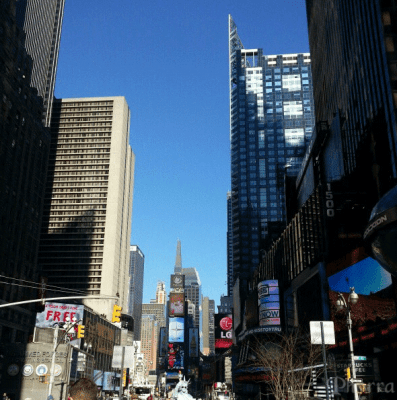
(83, 389)
(150, 397)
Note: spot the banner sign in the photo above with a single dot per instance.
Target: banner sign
(269, 303)
(193, 342)
(176, 330)
(55, 313)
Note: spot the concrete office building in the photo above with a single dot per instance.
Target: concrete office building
(271, 123)
(137, 266)
(208, 326)
(41, 20)
(88, 204)
(149, 340)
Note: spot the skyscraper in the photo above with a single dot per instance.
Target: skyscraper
(208, 326)
(24, 149)
(178, 258)
(149, 339)
(193, 292)
(155, 310)
(271, 123)
(87, 213)
(137, 265)
(42, 22)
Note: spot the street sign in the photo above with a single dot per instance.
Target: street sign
(360, 358)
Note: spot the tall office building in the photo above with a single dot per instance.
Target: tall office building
(208, 326)
(149, 339)
(193, 292)
(24, 149)
(42, 22)
(137, 266)
(178, 258)
(161, 294)
(156, 311)
(229, 245)
(271, 123)
(88, 205)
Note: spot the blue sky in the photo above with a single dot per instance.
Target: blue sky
(170, 61)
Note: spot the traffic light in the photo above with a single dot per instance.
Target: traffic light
(347, 374)
(80, 331)
(116, 313)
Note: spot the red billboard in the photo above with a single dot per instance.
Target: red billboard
(223, 331)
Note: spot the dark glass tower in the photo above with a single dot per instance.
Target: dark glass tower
(42, 22)
(137, 267)
(24, 149)
(271, 123)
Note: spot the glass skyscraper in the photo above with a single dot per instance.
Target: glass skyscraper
(271, 123)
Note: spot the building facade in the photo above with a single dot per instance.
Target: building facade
(137, 266)
(208, 326)
(193, 292)
(41, 20)
(86, 230)
(149, 339)
(24, 149)
(271, 123)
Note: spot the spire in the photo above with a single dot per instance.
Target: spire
(178, 259)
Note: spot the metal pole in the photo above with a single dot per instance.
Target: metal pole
(121, 372)
(53, 361)
(325, 360)
(349, 329)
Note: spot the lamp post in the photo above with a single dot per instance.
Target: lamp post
(341, 304)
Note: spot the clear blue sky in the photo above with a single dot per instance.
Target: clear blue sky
(170, 60)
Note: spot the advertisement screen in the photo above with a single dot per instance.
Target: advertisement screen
(223, 331)
(175, 357)
(163, 341)
(177, 305)
(176, 330)
(269, 303)
(177, 281)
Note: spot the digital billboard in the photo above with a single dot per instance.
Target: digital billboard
(177, 281)
(175, 357)
(163, 341)
(176, 331)
(269, 303)
(223, 331)
(177, 304)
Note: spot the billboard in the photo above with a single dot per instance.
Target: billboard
(177, 281)
(175, 357)
(193, 342)
(269, 303)
(55, 313)
(177, 304)
(176, 331)
(223, 331)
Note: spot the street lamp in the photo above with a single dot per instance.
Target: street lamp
(341, 304)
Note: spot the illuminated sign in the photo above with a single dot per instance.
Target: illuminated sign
(223, 330)
(177, 305)
(176, 330)
(177, 281)
(269, 303)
